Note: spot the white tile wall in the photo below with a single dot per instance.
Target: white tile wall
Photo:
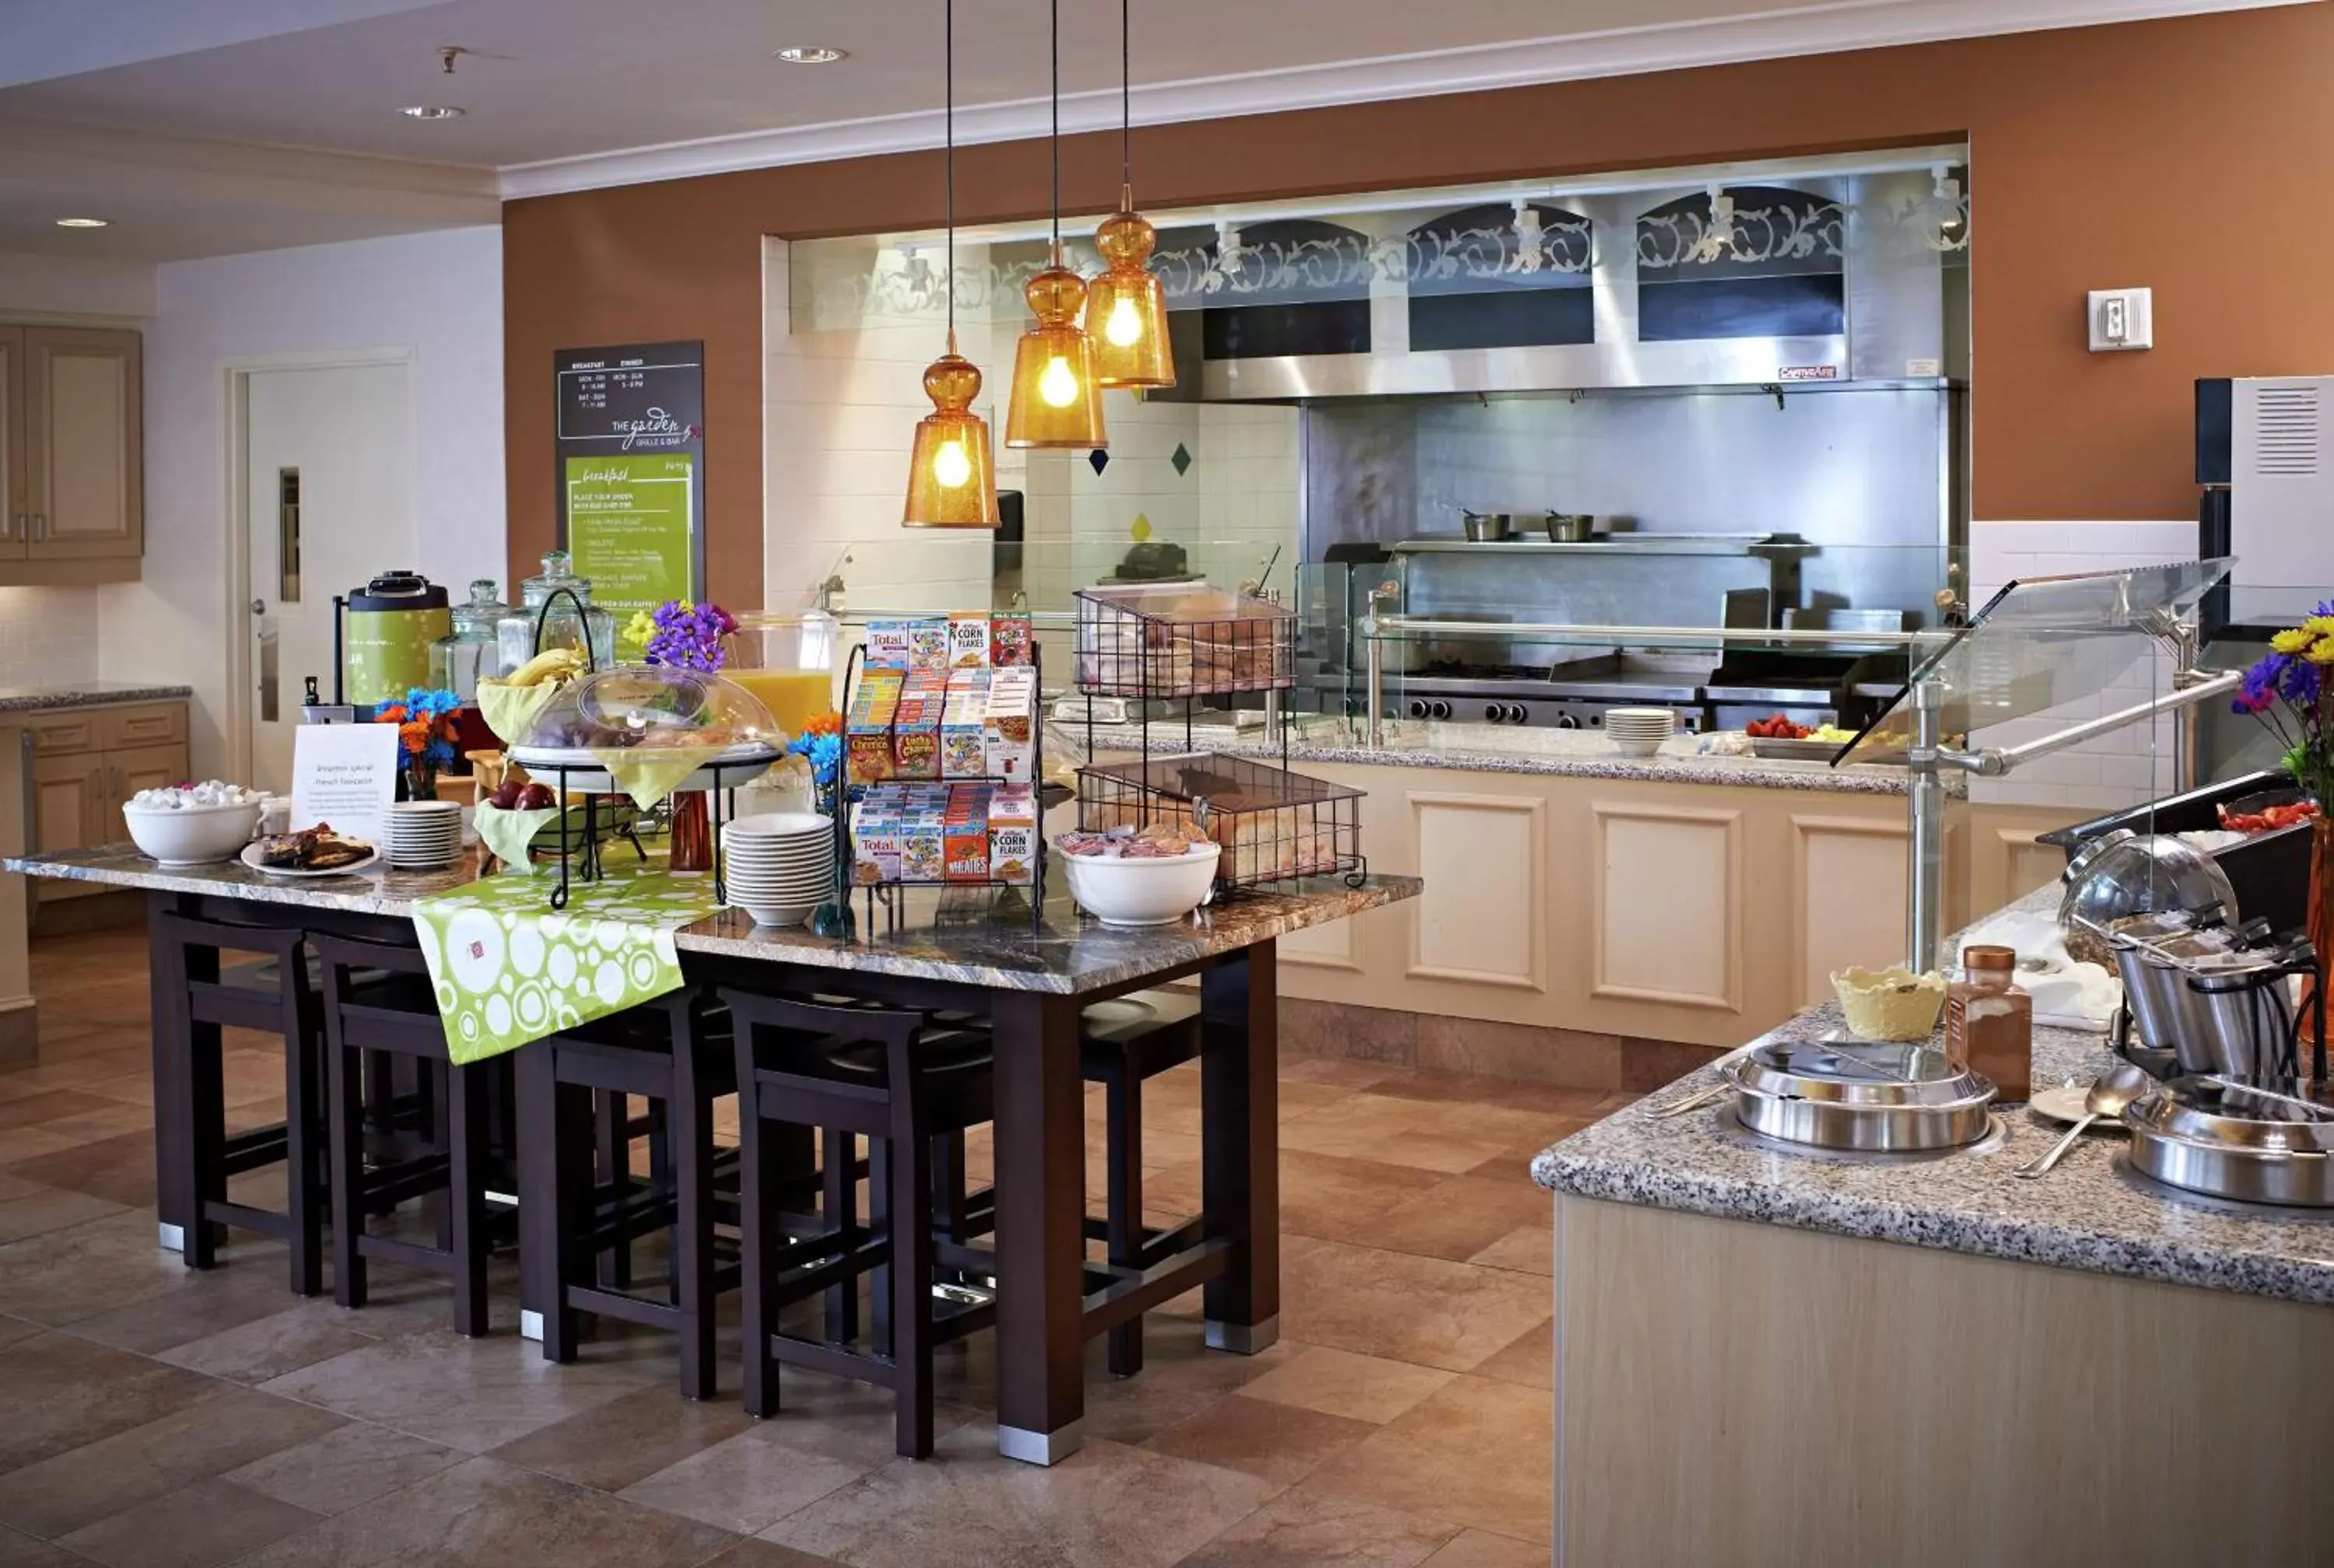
(2123, 768)
(839, 414)
(48, 635)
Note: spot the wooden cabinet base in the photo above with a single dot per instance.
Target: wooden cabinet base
(1732, 1394)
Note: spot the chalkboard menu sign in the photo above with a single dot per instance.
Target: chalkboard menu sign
(630, 440)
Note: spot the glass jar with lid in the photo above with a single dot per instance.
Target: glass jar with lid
(787, 659)
(514, 631)
(473, 648)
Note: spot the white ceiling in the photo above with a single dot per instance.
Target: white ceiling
(203, 104)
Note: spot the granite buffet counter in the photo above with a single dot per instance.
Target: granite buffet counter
(1969, 1367)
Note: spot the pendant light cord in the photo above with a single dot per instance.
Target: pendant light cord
(1125, 100)
(948, 30)
(1056, 7)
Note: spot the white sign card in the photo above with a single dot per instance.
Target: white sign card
(344, 774)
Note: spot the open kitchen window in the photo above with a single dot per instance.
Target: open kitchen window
(1743, 262)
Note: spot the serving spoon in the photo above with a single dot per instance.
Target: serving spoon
(2115, 1089)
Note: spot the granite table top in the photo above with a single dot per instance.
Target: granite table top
(2086, 1214)
(87, 694)
(1488, 749)
(964, 936)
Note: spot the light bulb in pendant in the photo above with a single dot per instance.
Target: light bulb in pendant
(1059, 385)
(951, 467)
(1124, 329)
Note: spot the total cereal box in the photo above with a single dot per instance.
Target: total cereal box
(887, 644)
(875, 835)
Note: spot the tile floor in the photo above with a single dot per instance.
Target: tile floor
(153, 1417)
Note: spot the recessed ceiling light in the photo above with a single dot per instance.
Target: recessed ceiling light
(431, 111)
(83, 222)
(812, 54)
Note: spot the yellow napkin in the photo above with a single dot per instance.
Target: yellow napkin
(650, 772)
(510, 710)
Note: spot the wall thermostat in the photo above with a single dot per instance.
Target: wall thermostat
(2122, 319)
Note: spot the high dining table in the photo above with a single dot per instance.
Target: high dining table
(971, 950)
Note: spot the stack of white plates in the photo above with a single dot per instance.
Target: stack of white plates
(424, 835)
(1639, 731)
(779, 866)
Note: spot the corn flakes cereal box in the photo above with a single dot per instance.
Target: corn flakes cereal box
(967, 641)
(1013, 834)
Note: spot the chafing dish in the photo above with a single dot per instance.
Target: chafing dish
(1865, 1098)
(2222, 1138)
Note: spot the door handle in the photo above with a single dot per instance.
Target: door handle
(39, 525)
(259, 607)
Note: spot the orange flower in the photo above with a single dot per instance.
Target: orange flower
(827, 723)
(390, 713)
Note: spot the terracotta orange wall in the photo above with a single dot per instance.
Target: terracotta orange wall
(2188, 156)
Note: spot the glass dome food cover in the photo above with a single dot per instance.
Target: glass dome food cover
(650, 727)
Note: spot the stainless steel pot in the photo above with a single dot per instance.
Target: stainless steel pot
(1865, 1099)
(2248, 1010)
(1570, 527)
(1483, 527)
(2189, 1134)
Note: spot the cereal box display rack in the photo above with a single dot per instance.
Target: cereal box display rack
(1172, 644)
(941, 730)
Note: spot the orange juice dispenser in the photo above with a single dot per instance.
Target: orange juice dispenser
(787, 659)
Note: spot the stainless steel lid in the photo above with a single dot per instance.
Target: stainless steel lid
(2231, 1114)
(1859, 1075)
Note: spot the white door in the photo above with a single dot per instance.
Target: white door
(328, 469)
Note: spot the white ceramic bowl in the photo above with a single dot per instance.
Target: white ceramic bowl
(1145, 892)
(192, 835)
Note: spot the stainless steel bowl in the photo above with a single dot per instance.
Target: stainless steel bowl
(1484, 527)
(1570, 527)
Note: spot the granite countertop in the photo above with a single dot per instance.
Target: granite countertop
(1499, 749)
(86, 694)
(963, 934)
(2086, 1214)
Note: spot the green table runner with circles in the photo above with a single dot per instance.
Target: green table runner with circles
(509, 969)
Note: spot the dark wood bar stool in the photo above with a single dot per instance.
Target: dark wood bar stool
(579, 1203)
(1122, 1044)
(398, 1018)
(895, 1078)
(276, 996)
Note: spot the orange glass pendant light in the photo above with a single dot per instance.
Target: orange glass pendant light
(1056, 402)
(1126, 309)
(951, 477)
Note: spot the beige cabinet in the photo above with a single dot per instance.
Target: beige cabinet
(82, 764)
(71, 454)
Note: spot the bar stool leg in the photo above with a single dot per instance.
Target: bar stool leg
(689, 1134)
(838, 1160)
(757, 1208)
(1122, 1113)
(345, 1103)
(880, 1208)
(467, 1111)
(612, 1115)
(303, 1113)
(908, 1155)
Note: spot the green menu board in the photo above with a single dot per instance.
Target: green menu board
(628, 528)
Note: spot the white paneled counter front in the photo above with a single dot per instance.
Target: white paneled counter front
(1680, 899)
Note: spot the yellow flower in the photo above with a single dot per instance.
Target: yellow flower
(2293, 642)
(2321, 651)
(2319, 626)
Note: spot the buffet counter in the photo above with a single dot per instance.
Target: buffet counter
(1584, 910)
(1987, 1353)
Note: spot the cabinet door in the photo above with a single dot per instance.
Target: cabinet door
(144, 768)
(15, 515)
(84, 465)
(71, 810)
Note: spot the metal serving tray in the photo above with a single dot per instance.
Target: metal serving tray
(1872, 1099)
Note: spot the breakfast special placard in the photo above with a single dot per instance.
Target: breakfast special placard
(631, 438)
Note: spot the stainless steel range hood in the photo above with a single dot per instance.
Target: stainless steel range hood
(1876, 246)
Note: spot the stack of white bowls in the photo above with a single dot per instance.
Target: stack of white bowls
(778, 867)
(424, 835)
(1639, 731)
